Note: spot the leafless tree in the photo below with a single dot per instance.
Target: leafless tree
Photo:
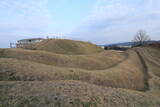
(141, 38)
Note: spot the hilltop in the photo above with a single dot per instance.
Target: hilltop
(64, 46)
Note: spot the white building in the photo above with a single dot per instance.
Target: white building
(25, 42)
(31, 40)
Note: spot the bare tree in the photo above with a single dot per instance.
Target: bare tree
(141, 38)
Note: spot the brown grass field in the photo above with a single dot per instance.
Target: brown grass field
(67, 78)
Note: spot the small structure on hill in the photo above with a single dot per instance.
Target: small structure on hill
(28, 41)
(24, 43)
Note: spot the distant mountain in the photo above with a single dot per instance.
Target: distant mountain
(128, 43)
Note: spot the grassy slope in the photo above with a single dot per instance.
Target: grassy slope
(100, 60)
(71, 94)
(121, 76)
(62, 46)
(151, 56)
(39, 78)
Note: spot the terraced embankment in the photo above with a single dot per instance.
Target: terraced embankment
(25, 66)
(94, 61)
(34, 78)
(145, 69)
(151, 56)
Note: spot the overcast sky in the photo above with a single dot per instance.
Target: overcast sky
(98, 21)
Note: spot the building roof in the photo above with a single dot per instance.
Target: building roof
(30, 39)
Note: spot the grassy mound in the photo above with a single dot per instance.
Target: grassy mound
(64, 73)
(62, 46)
(120, 76)
(97, 61)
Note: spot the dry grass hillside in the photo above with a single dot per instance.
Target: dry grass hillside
(39, 78)
(71, 94)
(151, 56)
(63, 46)
(119, 75)
(94, 61)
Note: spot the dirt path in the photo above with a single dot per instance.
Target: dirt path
(114, 65)
(145, 69)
